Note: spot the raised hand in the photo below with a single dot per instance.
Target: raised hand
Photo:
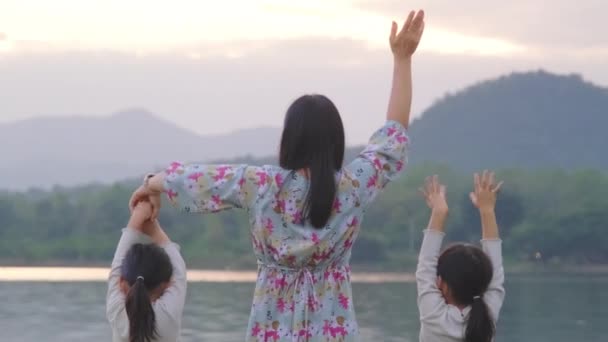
(405, 42)
(485, 190)
(434, 194)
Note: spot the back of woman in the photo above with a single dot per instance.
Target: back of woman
(305, 214)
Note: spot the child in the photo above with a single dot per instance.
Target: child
(147, 283)
(460, 292)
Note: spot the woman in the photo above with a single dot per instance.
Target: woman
(147, 285)
(460, 291)
(305, 214)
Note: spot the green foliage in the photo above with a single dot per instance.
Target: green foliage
(561, 215)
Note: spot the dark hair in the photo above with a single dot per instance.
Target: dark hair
(145, 267)
(467, 271)
(313, 139)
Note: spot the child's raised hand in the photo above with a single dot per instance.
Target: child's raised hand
(485, 190)
(405, 42)
(434, 194)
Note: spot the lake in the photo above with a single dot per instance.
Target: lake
(552, 308)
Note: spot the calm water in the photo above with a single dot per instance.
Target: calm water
(538, 308)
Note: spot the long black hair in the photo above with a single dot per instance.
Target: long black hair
(313, 139)
(467, 271)
(145, 268)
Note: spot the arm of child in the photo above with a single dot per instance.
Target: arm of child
(484, 198)
(430, 300)
(131, 235)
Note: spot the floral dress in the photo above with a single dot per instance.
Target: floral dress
(303, 290)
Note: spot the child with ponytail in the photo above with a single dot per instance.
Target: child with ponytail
(147, 283)
(460, 291)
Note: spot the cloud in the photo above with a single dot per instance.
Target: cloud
(215, 94)
(560, 24)
(3, 36)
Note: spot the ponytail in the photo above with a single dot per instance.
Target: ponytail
(142, 322)
(313, 140)
(322, 190)
(480, 325)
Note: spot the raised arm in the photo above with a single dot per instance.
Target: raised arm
(205, 188)
(131, 235)
(430, 300)
(404, 44)
(484, 198)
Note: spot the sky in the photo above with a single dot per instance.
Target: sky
(217, 66)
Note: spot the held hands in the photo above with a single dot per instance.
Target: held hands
(485, 191)
(405, 43)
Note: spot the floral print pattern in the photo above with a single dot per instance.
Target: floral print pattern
(303, 290)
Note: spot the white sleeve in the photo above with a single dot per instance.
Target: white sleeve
(170, 306)
(430, 301)
(495, 295)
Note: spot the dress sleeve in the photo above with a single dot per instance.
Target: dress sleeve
(115, 298)
(382, 160)
(430, 301)
(212, 188)
(170, 306)
(495, 295)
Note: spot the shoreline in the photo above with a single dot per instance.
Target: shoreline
(100, 274)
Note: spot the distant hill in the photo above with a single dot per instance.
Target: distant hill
(76, 150)
(524, 120)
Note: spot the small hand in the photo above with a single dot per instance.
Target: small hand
(434, 194)
(485, 190)
(405, 43)
(144, 194)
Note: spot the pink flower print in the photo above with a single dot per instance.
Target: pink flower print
(171, 194)
(339, 330)
(348, 243)
(195, 176)
(280, 284)
(354, 222)
(390, 131)
(337, 205)
(173, 167)
(297, 217)
(278, 179)
(268, 334)
(256, 329)
(291, 260)
(221, 173)
(399, 165)
(304, 332)
(269, 226)
(262, 178)
(241, 182)
(401, 138)
(281, 305)
(312, 303)
(315, 238)
(326, 274)
(343, 301)
(373, 180)
(216, 200)
(338, 276)
(326, 328)
(378, 163)
(292, 307)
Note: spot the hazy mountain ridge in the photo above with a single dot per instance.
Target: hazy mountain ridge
(530, 120)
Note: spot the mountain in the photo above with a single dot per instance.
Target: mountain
(524, 120)
(76, 150)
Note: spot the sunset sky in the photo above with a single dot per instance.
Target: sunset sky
(207, 65)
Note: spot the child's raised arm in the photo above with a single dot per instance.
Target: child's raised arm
(484, 198)
(430, 300)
